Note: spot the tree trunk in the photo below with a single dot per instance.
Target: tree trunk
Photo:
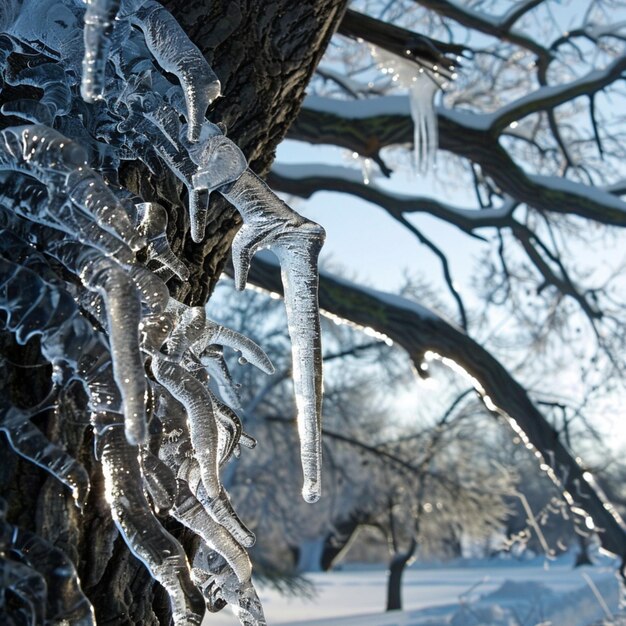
(264, 55)
(394, 582)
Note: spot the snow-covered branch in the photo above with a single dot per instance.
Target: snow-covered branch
(380, 122)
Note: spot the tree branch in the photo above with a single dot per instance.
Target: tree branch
(382, 122)
(419, 331)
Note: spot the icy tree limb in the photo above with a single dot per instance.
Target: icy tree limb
(422, 50)
(420, 332)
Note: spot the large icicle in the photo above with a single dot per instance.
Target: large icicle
(296, 241)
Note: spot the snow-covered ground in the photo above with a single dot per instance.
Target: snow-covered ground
(466, 593)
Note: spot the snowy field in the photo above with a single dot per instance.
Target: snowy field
(466, 593)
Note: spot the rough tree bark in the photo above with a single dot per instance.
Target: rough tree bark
(264, 54)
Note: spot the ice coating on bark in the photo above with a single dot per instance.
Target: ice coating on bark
(175, 53)
(192, 394)
(123, 310)
(63, 598)
(99, 18)
(296, 242)
(143, 534)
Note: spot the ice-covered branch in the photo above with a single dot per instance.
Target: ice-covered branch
(423, 51)
(381, 122)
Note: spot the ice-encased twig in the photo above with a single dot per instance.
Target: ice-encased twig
(296, 241)
(99, 18)
(174, 52)
(65, 599)
(146, 538)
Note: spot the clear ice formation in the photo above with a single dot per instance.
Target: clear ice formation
(423, 85)
(42, 577)
(82, 267)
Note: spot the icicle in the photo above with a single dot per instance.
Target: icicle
(192, 514)
(175, 451)
(29, 589)
(28, 441)
(217, 334)
(214, 576)
(219, 162)
(423, 86)
(175, 53)
(296, 241)
(99, 19)
(194, 397)
(123, 310)
(212, 359)
(159, 480)
(425, 133)
(143, 534)
(57, 96)
(153, 227)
